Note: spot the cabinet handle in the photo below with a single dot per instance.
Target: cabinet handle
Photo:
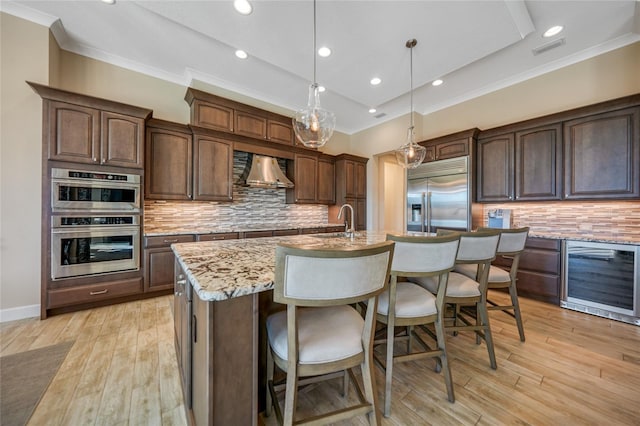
(181, 282)
(95, 160)
(170, 241)
(96, 293)
(194, 328)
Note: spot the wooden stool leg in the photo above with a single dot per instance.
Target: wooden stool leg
(513, 292)
(270, 369)
(484, 320)
(444, 362)
(291, 395)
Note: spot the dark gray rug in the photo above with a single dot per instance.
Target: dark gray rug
(24, 377)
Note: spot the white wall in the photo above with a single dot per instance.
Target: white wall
(24, 55)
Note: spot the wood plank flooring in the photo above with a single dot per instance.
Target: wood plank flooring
(574, 369)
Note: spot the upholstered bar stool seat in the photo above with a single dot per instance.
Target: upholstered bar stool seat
(459, 285)
(324, 335)
(496, 274)
(411, 301)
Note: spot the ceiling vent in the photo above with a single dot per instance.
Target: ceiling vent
(382, 114)
(545, 47)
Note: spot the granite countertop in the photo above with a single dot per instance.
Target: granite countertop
(221, 270)
(613, 239)
(164, 229)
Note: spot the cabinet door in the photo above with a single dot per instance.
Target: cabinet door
(452, 149)
(361, 214)
(305, 177)
(280, 132)
(213, 169)
(361, 179)
(538, 164)
(158, 266)
(495, 169)
(211, 116)
(74, 132)
(168, 165)
(250, 125)
(326, 181)
(121, 140)
(350, 178)
(602, 155)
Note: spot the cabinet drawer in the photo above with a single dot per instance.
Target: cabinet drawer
(543, 243)
(283, 232)
(218, 236)
(339, 228)
(541, 261)
(93, 293)
(257, 234)
(312, 230)
(167, 240)
(539, 286)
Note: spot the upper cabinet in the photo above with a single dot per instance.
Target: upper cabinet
(520, 165)
(450, 146)
(187, 163)
(313, 176)
(351, 188)
(216, 113)
(587, 153)
(83, 129)
(602, 155)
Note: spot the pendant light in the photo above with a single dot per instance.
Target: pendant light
(314, 125)
(410, 155)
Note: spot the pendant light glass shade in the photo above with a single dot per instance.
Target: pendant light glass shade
(410, 155)
(314, 125)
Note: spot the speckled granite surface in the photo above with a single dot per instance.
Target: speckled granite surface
(167, 229)
(220, 270)
(627, 239)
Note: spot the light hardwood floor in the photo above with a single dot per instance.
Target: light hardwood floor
(574, 369)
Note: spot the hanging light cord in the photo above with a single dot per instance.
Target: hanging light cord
(411, 45)
(314, 42)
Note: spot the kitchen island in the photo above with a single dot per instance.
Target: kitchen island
(222, 298)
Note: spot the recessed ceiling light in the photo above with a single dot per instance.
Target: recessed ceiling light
(321, 89)
(241, 54)
(372, 110)
(324, 51)
(109, 1)
(375, 81)
(553, 31)
(243, 6)
(437, 82)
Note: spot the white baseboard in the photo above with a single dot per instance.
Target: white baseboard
(21, 312)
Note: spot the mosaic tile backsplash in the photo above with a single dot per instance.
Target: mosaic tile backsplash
(610, 220)
(251, 208)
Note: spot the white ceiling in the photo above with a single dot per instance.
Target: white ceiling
(475, 46)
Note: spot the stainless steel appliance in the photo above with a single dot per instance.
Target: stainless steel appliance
(602, 279)
(94, 244)
(93, 190)
(438, 196)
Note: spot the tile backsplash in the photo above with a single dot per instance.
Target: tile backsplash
(615, 220)
(250, 207)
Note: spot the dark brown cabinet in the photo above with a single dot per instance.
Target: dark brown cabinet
(602, 155)
(213, 112)
(351, 188)
(523, 165)
(326, 181)
(169, 166)
(89, 135)
(212, 168)
(539, 271)
(313, 178)
(158, 260)
(450, 146)
(219, 236)
(187, 163)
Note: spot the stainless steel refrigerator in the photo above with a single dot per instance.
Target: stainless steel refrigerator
(438, 196)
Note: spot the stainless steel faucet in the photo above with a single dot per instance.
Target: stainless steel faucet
(350, 231)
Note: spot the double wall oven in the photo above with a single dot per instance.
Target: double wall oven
(95, 222)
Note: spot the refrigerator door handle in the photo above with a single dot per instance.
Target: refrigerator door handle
(428, 211)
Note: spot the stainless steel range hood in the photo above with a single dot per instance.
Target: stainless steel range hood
(265, 173)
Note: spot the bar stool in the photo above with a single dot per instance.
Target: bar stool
(476, 249)
(320, 333)
(511, 246)
(406, 304)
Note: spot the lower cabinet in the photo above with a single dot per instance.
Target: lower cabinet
(539, 272)
(224, 346)
(158, 260)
